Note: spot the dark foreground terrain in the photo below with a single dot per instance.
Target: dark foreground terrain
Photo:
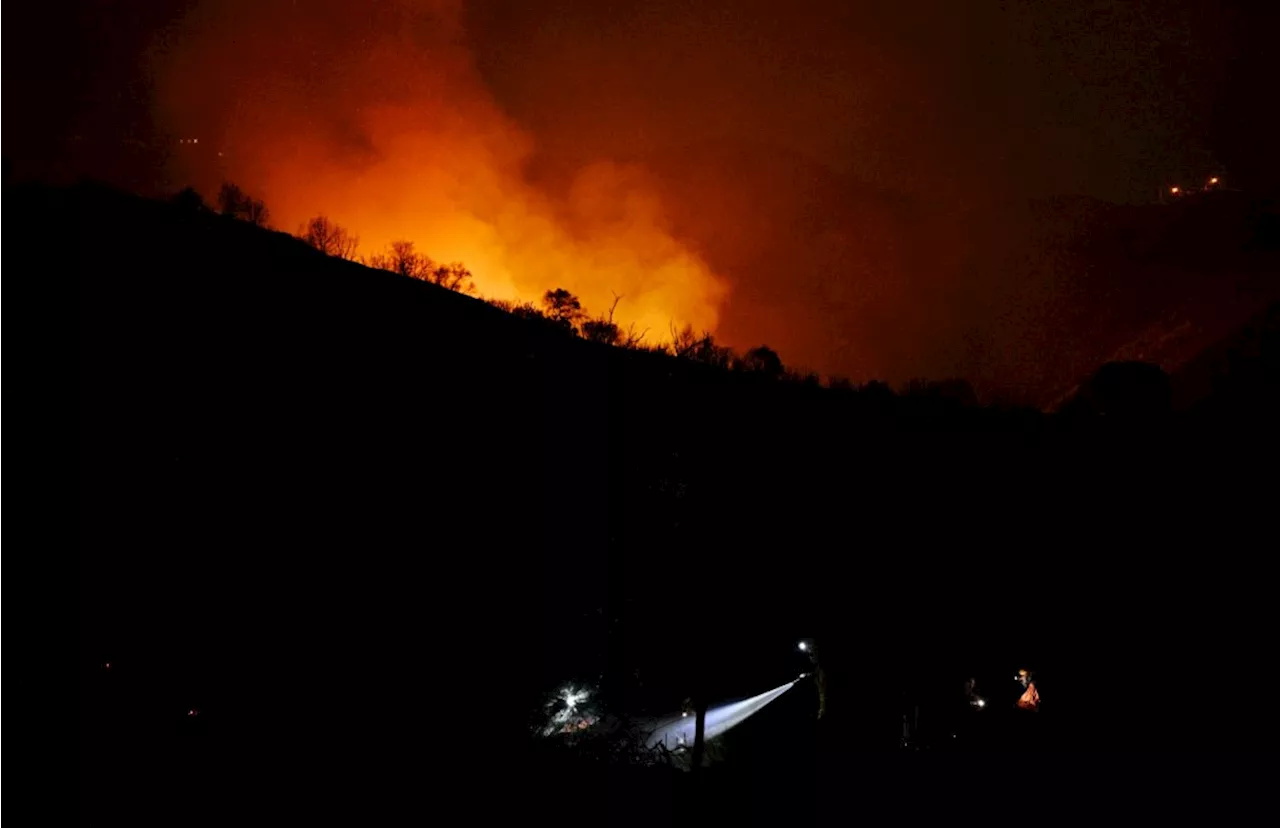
(340, 529)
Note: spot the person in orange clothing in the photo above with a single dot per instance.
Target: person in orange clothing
(1030, 698)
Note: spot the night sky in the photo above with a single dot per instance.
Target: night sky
(873, 189)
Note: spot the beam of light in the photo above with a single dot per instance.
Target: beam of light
(680, 731)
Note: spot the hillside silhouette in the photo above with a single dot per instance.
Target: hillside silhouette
(1022, 296)
(372, 517)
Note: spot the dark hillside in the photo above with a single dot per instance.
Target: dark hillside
(1238, 377)
(356, 522)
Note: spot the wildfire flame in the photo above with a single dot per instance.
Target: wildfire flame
(381, 122)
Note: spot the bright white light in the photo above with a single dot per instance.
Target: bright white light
(719, 719)
(565, 703)
(982, 702)
(804, 646)
(685, 714)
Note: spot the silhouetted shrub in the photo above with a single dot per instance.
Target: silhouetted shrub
(329, 237)
(403, 259)
(563, 308)
(188, 199)
(1126, 390)
(234, 202)
(602, 331)
(763, 360)
(453, 276)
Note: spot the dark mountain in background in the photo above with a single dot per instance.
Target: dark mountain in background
(1236, 377)
(1023, 298)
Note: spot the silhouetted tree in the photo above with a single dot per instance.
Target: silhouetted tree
(634, 340)
(763, 360)
(708, 352)
(234, 202)
(688, 345)
(256, 213)
(329, 237)
(526, 310)
(563, 308)
(601, 330)
(188, 199)
(604, 330)
(1124, 390)
(230, 197)
(403, 259)
(453, 276)
(683, 340)
(564, 311)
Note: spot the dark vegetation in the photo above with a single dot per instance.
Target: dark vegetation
(360, 523)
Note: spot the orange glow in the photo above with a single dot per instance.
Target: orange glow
(1213, 180)
(1030, 699)
(388, 130)
(1175, 190)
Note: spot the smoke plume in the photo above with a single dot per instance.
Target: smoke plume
(882, 190)
(375, 115)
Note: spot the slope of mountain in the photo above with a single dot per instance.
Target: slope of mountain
(1024, 298)
(335, 512)
(1238, 376)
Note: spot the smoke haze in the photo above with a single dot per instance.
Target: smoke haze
(379, 120)
(881, 190)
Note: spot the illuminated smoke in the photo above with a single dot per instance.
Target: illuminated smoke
(861, 180)
(373, 114)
